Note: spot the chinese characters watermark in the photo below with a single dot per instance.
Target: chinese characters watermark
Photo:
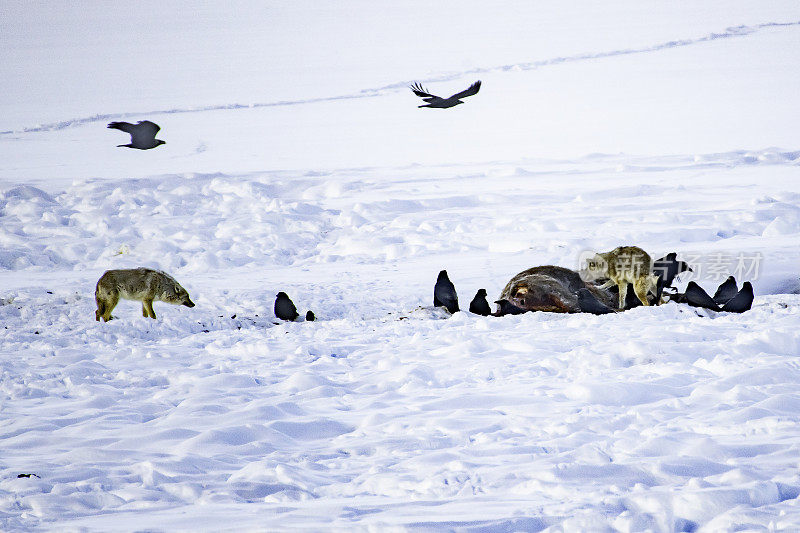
(715, 266)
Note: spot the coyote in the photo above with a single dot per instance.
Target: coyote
(142, 284)
(623, 265)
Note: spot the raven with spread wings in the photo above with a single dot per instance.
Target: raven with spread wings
(444, 103)
(143, 134)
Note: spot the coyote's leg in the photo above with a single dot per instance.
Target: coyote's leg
(100, 308)
(109, 305)
(607, 284)
(623, 293)
(147, 309)
(641, 286)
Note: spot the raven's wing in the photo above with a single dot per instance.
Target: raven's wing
(473, 89)
(726, 291)
(697, 297)
(147, 129)
(144, 132)
(743, 300)
(424, 94)
(127, 127)
(150, 127)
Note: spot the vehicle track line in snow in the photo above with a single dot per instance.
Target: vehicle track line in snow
(732, 31)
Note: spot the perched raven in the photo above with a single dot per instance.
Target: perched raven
(504, 307)
(726, 291)
(697, 297)
(590, 304)
(143, 134)
(479, 305)
(740, 302)
(743, 300)
(444, 293)
(444, 103)
(667, 268)
(284, 307)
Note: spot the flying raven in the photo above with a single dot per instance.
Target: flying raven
(143, 134)
(444, 103)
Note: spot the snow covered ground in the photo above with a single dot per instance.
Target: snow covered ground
(297, 161)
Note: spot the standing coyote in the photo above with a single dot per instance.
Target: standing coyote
(142, 284)
(623, 265)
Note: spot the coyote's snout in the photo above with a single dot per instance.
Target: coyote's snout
(142, 284)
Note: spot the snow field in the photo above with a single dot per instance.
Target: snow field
(297, 161)
(195, 224)
(665, 418)
(653, 418)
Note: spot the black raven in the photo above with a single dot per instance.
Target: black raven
(743, 300)
(143, 134)
(697, 297)
(667, 268)
(590, 304)
(444, 103)
(479, 305)
(726, 291)
(504, 307)
(284, 307)
(444, 293)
